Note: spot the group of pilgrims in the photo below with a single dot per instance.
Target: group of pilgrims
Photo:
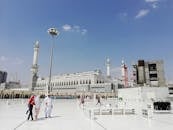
(34, 102)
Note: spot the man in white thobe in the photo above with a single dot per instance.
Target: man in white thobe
(48, 106)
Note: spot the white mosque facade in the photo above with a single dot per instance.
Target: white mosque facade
(90, 81)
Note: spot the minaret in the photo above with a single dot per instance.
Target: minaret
(122, 69)
(34, 68)
(124, 73)
(108, 67)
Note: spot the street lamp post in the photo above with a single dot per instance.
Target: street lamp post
(53, 32)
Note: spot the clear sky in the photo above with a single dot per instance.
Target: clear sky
(90, 31)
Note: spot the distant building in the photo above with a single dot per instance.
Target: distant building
(3, 77)
(91, 81)
(149, 73)
(10, 85)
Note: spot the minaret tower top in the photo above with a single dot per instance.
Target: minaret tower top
(108, 67)
(36, 45)
(35, 57)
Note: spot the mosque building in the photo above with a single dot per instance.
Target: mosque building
(96, 81)
(90, 81)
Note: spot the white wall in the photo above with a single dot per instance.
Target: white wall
(139, 97)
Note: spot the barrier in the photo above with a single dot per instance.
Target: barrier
(148, 112)
(92, 111)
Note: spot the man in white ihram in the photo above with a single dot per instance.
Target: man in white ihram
(48, 106)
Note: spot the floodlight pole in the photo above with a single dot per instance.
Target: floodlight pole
(53, 32)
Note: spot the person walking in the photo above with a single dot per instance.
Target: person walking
(98, 100)
(37, 106)
(82, 100)
(48, 106)
(31, 103)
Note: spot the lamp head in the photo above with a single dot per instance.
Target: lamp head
(53, 31)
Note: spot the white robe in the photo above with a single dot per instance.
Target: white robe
(48, 106)
(37, 106)
(37, 102)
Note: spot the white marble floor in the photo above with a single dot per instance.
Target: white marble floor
(66, 115)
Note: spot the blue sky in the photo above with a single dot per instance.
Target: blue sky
(90, 31)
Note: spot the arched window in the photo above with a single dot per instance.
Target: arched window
(89, 81)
